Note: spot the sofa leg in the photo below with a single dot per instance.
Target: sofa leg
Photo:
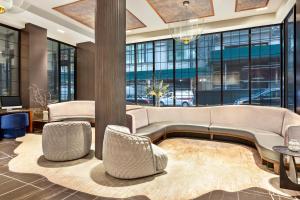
(276, 168)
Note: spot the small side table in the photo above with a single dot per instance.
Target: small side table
(38, 125)
(290, 180)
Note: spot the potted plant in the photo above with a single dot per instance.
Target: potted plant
(41, 98)
(158, 90)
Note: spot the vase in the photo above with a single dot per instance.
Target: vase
(45, 115)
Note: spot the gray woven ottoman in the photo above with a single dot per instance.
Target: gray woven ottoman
(63, 141)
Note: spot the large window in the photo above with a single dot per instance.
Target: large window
(233, 67)
(164, 69)
(185, 74)
(236, 67)
(61, 71)
(53, 72)
(9, 62)
(266, 66)
(289, 29)
(209, 70)
(144, 74)
(130, 75)
(67, 72)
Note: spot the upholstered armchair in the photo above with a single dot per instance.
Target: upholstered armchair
(128, 156)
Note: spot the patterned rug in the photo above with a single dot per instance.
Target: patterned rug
(195, 168)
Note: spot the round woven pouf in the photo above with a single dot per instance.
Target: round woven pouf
(64, 141)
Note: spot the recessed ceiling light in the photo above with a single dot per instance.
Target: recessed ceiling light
(61, 31)
(193, 20)
(260, 9)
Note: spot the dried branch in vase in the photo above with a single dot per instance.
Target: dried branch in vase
(40, 96)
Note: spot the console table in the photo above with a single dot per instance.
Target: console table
(5, 112)
(290, 180)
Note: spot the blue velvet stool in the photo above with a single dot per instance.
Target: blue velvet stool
(14, 125)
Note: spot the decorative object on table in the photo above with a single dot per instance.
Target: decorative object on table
(290, 180)
(189, 30)
(158, 90)
(64, 141)
(294, 145)
(14, 125)
(128, 156)
(41, 98)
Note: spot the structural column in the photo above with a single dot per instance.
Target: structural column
(34, 61)
(110, 30)
(85, 84)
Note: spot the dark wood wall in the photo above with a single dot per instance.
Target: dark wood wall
(34, 62)
(85, 71)
(110, 67)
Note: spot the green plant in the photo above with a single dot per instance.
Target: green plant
(158, 90)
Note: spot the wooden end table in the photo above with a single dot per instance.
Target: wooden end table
(288, 180)
(38, 125)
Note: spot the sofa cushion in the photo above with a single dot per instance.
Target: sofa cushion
(256, 117)
(153, 131)
(242, 132)
(290, 119)
(140, 117)
(265, 143)
(187, 127)
(264, 140)
(175, 114)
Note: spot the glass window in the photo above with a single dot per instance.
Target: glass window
(164, 69)
(266, 66)
(53, 73)
(209, 70)
(236, 67)
(67, 69)
(130, 74)
(290, 60)
(185, 74)
(144, 74)
(61, 71)
(9, 62)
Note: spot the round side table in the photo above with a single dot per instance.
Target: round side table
(290, 180)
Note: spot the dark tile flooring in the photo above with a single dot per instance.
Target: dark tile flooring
(16, 186)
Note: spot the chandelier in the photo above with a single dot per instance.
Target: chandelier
(5, 5)
(189, 30)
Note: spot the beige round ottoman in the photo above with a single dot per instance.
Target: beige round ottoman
(63, 141)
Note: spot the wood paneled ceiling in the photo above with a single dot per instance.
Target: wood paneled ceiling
(83, 11)
(173, 10)
(242, 5)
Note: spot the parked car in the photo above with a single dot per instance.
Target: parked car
(140, 100)
(183, 98)
(267, 97)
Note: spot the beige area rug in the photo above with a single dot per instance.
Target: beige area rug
(195, 167)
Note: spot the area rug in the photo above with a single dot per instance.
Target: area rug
(195, 168)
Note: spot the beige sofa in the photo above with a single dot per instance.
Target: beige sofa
(264, 126)
(72, 110)
(76, 111)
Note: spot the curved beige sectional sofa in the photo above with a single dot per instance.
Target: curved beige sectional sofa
(264, 126)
